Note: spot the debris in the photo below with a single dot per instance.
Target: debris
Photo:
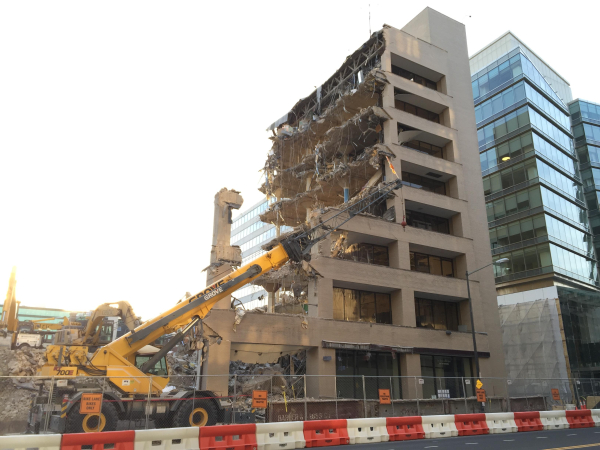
(239, 315)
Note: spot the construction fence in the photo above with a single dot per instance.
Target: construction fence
(72, 404)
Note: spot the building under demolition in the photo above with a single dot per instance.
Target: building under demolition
(385, 294)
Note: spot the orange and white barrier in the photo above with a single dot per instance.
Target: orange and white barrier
(31, 441)
(439, 426)
(367, 431)
(554, 420)
(308, 434)
(280, 435)
(501, 423)
(168, 439)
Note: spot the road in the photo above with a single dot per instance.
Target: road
(534, 440)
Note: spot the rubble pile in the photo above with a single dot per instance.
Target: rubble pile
(16, 383)
(25, 362)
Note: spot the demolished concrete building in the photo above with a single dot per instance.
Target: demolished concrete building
(385, 294)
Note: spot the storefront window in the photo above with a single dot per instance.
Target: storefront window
(378, 368)
(445, 373)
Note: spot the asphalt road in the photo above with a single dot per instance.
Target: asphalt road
(533, 440)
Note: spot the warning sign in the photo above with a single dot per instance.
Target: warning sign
(384, 397)
(481, 395)
(91, 404)
(479, 384)
(259, 399)
(555, 394)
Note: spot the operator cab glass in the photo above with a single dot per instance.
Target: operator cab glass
(159, 369)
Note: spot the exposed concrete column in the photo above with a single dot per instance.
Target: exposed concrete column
(322, 386)
(271, 288)
(399, 253)
(403, 307)
(219, 357)
(320, 293)
(410, 366)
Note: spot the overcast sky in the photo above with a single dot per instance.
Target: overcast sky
(120, 120)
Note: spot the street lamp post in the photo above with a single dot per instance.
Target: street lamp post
(476, 356)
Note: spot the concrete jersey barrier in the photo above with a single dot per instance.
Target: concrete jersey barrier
(367, 431)
(596, 416)
(281, 435)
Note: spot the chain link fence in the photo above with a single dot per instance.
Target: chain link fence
(86, 404)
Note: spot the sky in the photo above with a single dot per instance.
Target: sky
(120, 120)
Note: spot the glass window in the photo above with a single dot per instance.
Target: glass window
(361, 306)
(367, 307)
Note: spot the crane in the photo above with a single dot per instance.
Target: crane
(127, 361)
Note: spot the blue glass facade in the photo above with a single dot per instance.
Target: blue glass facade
(585, 123)
(536, 197)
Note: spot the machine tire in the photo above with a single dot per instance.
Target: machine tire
(87, 423)
(198, 413)
(24, 345)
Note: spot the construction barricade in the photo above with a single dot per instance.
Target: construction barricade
(168, 439)
(325, 433)
(439, 427)
(230, 437)
(367, 431)
(471, 424)
(596, 416)
(404, 428)
(528, 421)
(580, 418)
(31, 441)
(272, 436)
(501, 423)
(554, 420)
(115, 440)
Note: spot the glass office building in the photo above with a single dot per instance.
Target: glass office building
(540, 163)
(250, 234)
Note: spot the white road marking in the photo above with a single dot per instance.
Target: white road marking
(470, 443)
(431, 446)
(571, 434)
(509, 440)
(542, 437)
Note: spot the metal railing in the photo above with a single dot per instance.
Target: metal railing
(44, 403)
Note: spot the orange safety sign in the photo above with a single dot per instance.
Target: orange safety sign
(259, 399)
(555, 394)
(384, 397)
(481, 395)
(90, 404)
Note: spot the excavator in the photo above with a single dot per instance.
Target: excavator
(94, 334)
(9, 324)
(136, 376)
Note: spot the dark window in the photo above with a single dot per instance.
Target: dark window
(378, 368)
(414, 77)
(424, 147)
(420, 182)
(444, 373)
(160, 368)
(415, 110)
(427, 222)
(431, 264)
(436, 315)
(361, 306)
(367, 253)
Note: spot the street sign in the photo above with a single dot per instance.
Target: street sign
(481, 395)
(259, 399)
(479, 384)
(384, 397)
(90, 404)
(467, 381)
(421, 381)
(555, 394)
